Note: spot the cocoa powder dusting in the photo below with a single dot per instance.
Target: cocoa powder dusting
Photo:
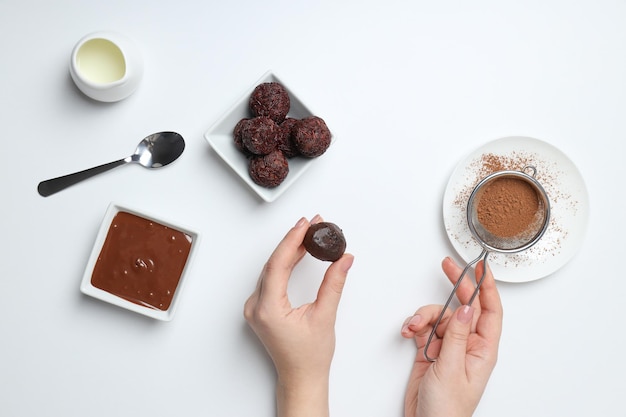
(507, 207)
(548, 174)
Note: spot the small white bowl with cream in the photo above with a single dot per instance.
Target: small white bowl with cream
(106, 66)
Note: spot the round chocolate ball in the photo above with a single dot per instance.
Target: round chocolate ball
(285, 138)
(238, 135)
(270, 100)
(269, 170)
(260, 135)
(325, 241)
(311, 136)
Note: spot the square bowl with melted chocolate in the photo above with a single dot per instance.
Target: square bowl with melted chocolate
(220, 137)
(139, 262)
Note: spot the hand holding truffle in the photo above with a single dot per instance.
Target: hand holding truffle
(300, 340)
(325, 241)
(466, 345)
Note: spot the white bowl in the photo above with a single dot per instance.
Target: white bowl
(106, 66)
(88, 288)
(220, 137)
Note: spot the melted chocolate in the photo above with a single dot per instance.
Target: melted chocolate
(141, 261)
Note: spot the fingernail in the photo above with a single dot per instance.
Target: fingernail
(405, 325)
(300, 222)
(316, 219)
(415, 320)
(348, 264)
(465, 314)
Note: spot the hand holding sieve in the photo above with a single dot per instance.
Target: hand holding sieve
(491, 242)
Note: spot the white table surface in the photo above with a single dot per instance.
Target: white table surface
(408, 88)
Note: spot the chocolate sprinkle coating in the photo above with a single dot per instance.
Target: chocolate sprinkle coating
(285, 138)
(267, 137)
(311, 136)
(269, 170)
(270, 100)
(325, 241)
(238, 135)
(260, 135)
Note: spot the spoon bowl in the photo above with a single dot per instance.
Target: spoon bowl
(158, 149)
(154, 151)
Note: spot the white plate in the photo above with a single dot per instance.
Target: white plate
(220, 137)
(87, 288)
(568, 202)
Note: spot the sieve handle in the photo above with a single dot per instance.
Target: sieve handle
(483, 255)
(532, 169)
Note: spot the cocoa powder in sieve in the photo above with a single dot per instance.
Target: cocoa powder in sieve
(507, 206)
(563, 204)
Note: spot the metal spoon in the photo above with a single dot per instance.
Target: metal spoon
(156, 150)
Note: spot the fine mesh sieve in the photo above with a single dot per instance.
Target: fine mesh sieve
(504, 243)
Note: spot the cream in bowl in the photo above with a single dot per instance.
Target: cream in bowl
(139, 262)
(106, 66)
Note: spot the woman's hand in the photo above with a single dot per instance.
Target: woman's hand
(466, 345)
(300, 340)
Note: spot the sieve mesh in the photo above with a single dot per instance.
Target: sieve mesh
(522, 240)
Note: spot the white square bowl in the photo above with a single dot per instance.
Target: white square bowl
(220, 137)
(87, 288)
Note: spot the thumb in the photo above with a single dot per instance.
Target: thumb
(332, 285)
(454, 345)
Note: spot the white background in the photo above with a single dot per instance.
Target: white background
(408, 89)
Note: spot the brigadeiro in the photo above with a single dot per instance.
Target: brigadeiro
(311, 136)
(260, 135)
(325, 241)
(270, 100)
(269, 170)
(238, 135)
(285, 138)
(267, 137)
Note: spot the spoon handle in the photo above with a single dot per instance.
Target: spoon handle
(54, 185)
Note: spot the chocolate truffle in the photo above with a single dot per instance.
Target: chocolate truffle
(311, 136)
(260, 135)
(238, 135)
(270, 100)
(285, 138)
(325, 241)
(269, 170)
